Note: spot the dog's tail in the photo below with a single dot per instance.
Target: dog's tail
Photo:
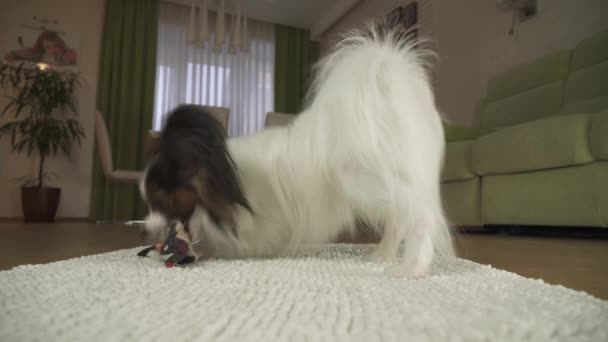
(381, 49)
(377, 81)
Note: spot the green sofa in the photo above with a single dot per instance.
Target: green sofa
(538, 154)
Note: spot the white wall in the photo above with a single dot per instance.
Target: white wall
(454, 28)
(457, 82)
(559, 24)
(85, 17)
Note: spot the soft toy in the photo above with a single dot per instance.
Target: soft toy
(176, 250)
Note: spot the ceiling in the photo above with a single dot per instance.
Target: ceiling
(295, 13)
(316, 15)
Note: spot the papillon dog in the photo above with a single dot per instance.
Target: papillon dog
(368, 147)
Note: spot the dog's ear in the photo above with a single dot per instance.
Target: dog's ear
(193, 144)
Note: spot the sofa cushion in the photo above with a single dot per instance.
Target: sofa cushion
(598, 137)
(536, 145)
(593, 105)
(457, 162)
(529, 105)
(587, 83)
(588, 78)
(538, 73)
(590, 51)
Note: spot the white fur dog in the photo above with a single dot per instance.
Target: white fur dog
(369, 146)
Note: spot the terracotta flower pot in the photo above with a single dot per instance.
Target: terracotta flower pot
(39, 204)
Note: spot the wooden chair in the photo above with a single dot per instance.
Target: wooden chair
(104, 148)
(278, 119)
(222, 115)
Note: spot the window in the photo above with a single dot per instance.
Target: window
(242, 82)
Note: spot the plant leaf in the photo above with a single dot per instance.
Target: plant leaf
(44, 104)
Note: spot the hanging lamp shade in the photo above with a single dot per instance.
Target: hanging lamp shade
(234, 34)
(236, 37)
(244, 41)
(203, 34)
(232, 47)
(220, 27)
(191, 34)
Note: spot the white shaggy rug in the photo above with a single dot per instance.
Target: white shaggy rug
(323, 294)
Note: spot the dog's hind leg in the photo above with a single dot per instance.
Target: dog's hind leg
(419, 247)
(405, 220)
(370, 196)
(392, 235)
(373, 196)
(425, 230)
(410, 213)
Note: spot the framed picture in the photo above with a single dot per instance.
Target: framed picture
(410, 15)
(38, 44)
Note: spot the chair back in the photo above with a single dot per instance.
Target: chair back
(221, 114)
(104, 148)
(278, 119)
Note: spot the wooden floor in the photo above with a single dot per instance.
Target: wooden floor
(573, 262)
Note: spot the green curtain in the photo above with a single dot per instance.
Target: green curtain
(295, 54)
(125, 97)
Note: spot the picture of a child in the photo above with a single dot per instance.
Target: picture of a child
(49, 48)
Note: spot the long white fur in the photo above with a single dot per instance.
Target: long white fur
(369, 144)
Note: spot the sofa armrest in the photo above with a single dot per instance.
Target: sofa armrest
(461, 133)
(598, 137)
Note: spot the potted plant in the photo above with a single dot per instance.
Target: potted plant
(44, 122)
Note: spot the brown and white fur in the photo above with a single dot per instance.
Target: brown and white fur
(369, 146)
